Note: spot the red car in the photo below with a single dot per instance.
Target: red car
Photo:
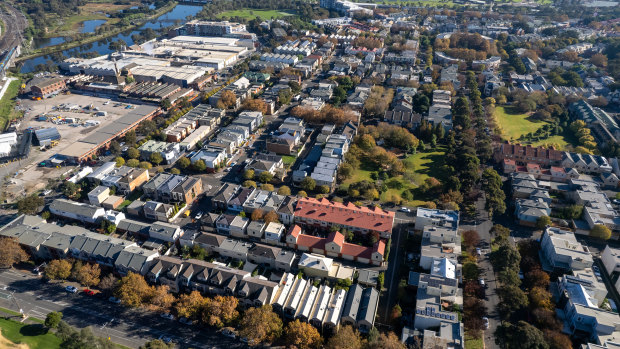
(89, 292)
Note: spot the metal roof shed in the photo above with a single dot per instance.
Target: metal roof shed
(46, 135)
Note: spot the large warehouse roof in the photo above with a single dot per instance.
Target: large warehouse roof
(47, 134)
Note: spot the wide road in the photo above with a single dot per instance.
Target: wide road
(129, 327)
(483, 226)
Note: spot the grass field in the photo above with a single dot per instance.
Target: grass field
(35, 336)
(288, 160)
(7, 104)
(253, 13)
(471, 343)
(514, 125)
(427, 164)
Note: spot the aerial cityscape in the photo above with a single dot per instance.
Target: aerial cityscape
(309, 174)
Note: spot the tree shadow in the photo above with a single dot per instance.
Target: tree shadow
(33, 330)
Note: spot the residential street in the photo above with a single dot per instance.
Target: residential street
(129, 327)
(483, 226)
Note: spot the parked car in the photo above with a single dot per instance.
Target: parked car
(481, 282)
(114, 300)
(478, 251)
(596, 270)
(88, 292)
(485, 321)
(405, 209)
(228, 332)
(186, 321)
(165, 339)
(71, 289)
(199, 215)
(167, 316)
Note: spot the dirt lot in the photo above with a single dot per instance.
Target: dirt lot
(30, 177)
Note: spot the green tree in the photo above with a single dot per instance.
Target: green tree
(324, 189)
(133, 153)
(120, 161)
(133, 163)
(157, 344)
(265, 177)
(512, 299)
(145, 165)
(495, 196)
(156, 158)
(248, 174)
(183, 162)
(542, 222)
(520, 336)
(600, 231)
(30, 204)
(284, 190)
(308, 184)
(199, 166)
(53, 319)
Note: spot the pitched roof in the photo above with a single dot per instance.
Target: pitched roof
(374, 219)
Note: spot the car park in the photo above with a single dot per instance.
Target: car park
(71, 289)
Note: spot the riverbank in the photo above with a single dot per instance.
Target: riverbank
(73, 44)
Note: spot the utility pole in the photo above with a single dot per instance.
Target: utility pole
(21, 311)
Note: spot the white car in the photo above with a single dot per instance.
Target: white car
(485, 321)
(71, 289)
(167, 316)
(405, 209)
(481, 282)
(199, 215)
(478, 251)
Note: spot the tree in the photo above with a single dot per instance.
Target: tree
(248, 184)
(133, 163)
(471, 238)
(267, 187)
(156, 158)
(257, 214)
(255, 105)
(11, 252)
(302, 335)
(308, 184)
(189, 305)
(265, 177)
(220, 311)
(248, 174)
(147, 165)
(53, 319)
(386, 341)
(540, 298)
(162, 299)
(260, 325)
(130, 138)
(30, 204)
(505, 257)
(58, 269)
(556, 339)
(536, 278)
(228, 99)
(542, 222)
(108, 284)
(520, 336)
(495, 196)
(509, 277)
(133, 290)
(600, 231)
(271, 216)
(88, 275)
(199, 165)
(119, 161)
(157, 344)
(183, 162)
(133, 153)
(302, 194)
(346, 338)
(470, 271)
(284, 190)
(84, 338)
(599, 60)
(512, 299)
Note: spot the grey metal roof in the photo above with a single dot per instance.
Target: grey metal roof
(74, 207)
(352, 303)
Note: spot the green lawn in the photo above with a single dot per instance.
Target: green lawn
(514, 125)
(253, 13)
(35, 336)
(7, 104)
(427, 164)
(288, 160)
(471, 343)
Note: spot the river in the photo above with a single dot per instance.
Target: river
(178, 13)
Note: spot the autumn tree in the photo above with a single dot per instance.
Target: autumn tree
(386, 341)
(161, 298)
(260, 325)
(537, 278)
(346, 338)
(58, 269)
(11, 252)
(284, 190)
(88, 275)
(108, 284)
(557, 340)
(302, 335)
(220, 311)
(270, 216)
(133, 290)
(471, 238)
(189, 305)
(255, 105)
(228, 99)
(257, 214)
(540, 298)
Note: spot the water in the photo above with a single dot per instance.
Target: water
(178, 13)
(45, 42)
(90, 26)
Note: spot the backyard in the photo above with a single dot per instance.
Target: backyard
(514, 125)
(253, 13)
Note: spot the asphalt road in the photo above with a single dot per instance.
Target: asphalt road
(129, 327)
(483, 226)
